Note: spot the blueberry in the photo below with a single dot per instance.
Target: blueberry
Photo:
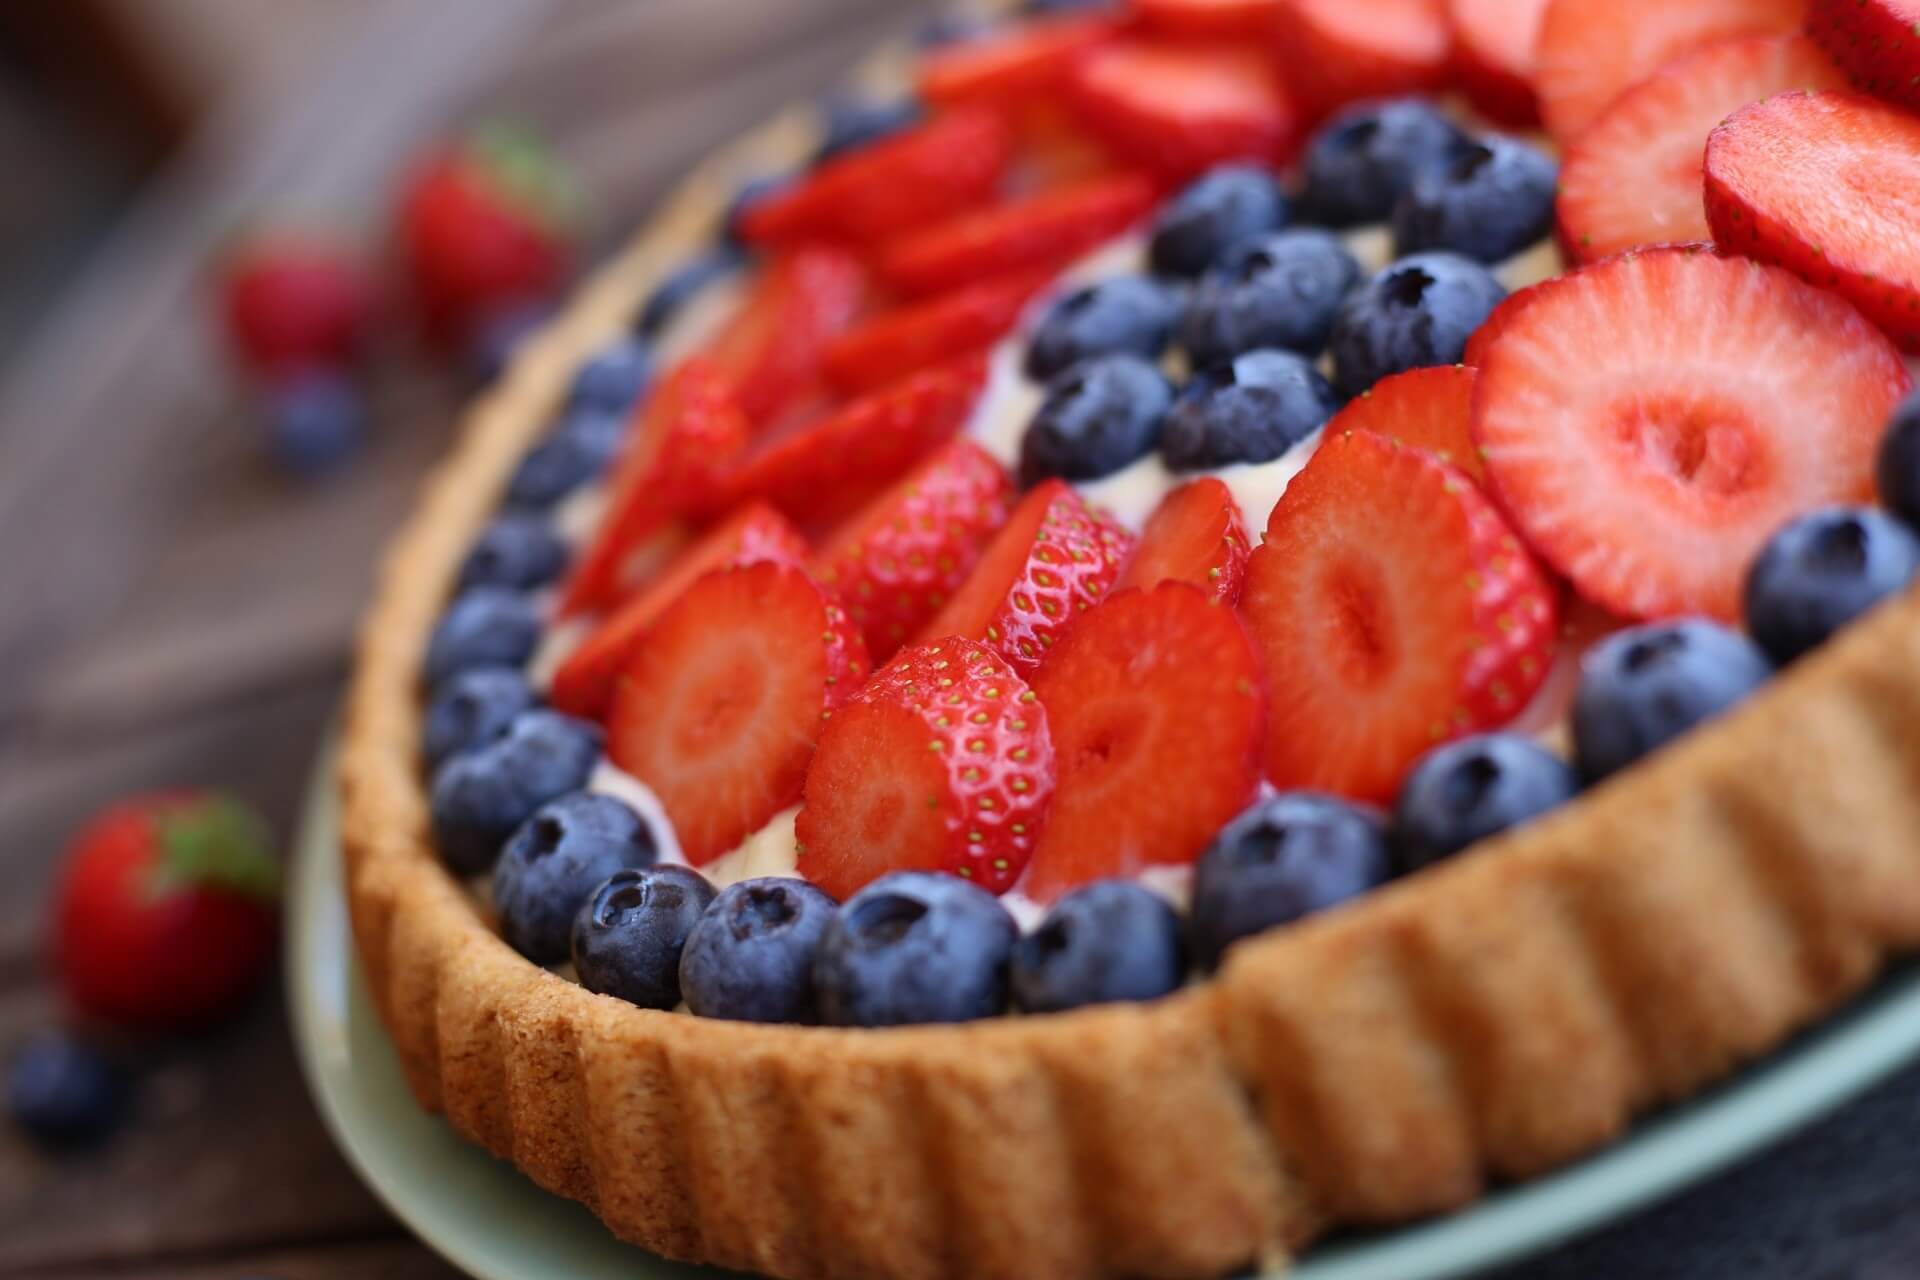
(850, 123)
(480, 798)
(473, 707)
(1490, 201)
(1899, 469)
(951, 28)
(318, 421)
(1416, 312)
(1038, 7)
(487, 626)
(681, 285)
(555, 859)
(581, 449)
(1823, 571)
(628, 937)
(1098, 416)
(612, 378)
(497, 337)
(63, 1093)
(519, 550)
(1194, 230)
(1643, 687)
(1126, 314)
(1251, 410)
(1283, 858)
(751, 193)
(914, 946)
(1279, 290)
(750, 958)
(1468, 790)
(1106, 941)
(1363, 160)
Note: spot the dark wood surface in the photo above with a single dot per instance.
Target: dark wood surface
(175, 613)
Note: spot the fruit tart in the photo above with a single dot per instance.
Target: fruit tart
(1171, 627)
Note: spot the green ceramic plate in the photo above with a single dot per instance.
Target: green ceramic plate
(496, 1225)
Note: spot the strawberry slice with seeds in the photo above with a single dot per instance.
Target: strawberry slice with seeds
(583, 686)
(913, 178)
(1340, 51)
(896, 562)
(721, 704)
(687, 432)
(1179, 110)
(827, 469)
(1654, 419)
(1633, 177)
(1589, 54)
(1501, 316)
(1195, 535)
(1394, 609)
(1430, 409)
(1045, 231)
(900, 341)
(1251, 20)
(1014, 66)
(1053, 559)
(1877, 42)
(1828, 186)
(942, 762)
(771, 348)
(1158, 714)
(1493, 45)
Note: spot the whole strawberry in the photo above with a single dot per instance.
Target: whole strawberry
(485, 223)
(166, 911)
(293, 300)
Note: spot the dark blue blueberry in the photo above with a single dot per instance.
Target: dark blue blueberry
(1643, 687)
(1416, 312)
(1124, 315)
(484, 627)
(1252, 409)
(750, 958)
(1194, 230)
(1106, 941)
(318, 421)
(681, 285)
(628, 937)
(1823, 571)
(1062, 6)
(751, 193)
(1283, 858)
(496, 338)
(1098, 416)
(519, 550)
(1490, 201)
(1899, 467)
(1279, 290)
(555, 860)
(472, 708)
(612, 378)
(849, 123)
(951, 28)
(479, 798)
(1365, 158)
(579, 450)
(1474, 788)
(914, 946)
(63, 1093)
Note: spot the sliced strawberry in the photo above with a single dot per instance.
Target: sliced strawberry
(896, 562)
(1877, 42)
(1633, 177)
(1500, 317)
(1055, 151)
(905, 339)
(1045, 231)
(913, 178)
(1195, 535)
(1252, 20)
(1828, 186)
(1657, 417)
(1158, 715)
(1394, 609)
(942, 762)
(1054, 558)
(583, 686)
(1430, 409)
(771, 348)
(1013, 65)
(686, 434)
(827, 469)
(1493, 42)
(1340, 51)
(721, 704)
(1589, 54)
(1179, 110)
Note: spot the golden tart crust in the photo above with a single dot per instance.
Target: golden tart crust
(1487, 1019)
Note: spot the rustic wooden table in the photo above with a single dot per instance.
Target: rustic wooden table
(175, 613)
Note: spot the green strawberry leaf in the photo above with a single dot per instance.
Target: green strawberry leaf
(215, 842)
(525, 174)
